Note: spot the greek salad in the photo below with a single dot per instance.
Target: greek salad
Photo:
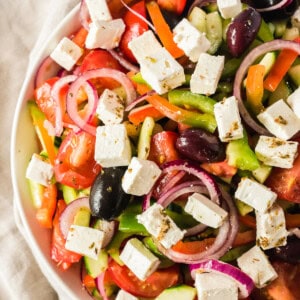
(168, 165)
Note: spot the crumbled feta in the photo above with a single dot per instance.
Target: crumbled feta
(98, 10)
(276, 152)
(190, 39)
(280, 120)
(105, 34)
(255, 194)
(256, 264)
(141, 261)
(295, 19)
(229, 8)
(228, 119)
(212, 286)
(139, 46)
(123, 295)
(270, 228)
(205, 211)
(86, 241)
(294, 102)
(112, 147)
(207, 73)
(39, 170)
(110, 108)
(66, 53)
(140, 176)
(161, 226)
(160, 70)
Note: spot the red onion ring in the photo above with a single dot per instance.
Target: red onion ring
(81, 81)
(244, 282)
(47, 68)
(124, 62)
(139, 100)
(200, 3)
(279, 5)
(84, 15)
(240, 74)
(194, 169)
(58, 85)
(72, 108)
(67, 216)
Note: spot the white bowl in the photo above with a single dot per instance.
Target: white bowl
(23, 145)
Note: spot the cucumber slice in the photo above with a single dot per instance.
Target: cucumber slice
(262, 173)
(95, 267)
(143, 147)
(243, 208)
(36, 191)
(82, 217)
(214, 31)
(198, 18)
(178, 292)
(294, 73)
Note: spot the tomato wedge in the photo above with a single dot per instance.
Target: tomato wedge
(286, 182)
(59, 253)
(75, 165)
(151, 287)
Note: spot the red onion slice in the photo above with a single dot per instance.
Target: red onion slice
(139, 16)
(101, 287)
(47, 68)
(139, 100)
(124, 62)
(84, 15)
(59, 110)
(67, 217)
(240, 74)
(244, 282)
(279, 5)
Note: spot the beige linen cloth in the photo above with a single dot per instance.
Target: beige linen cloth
(24, 25)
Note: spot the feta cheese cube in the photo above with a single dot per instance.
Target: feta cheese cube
(140, 48)
(161, 71)
(66, 53)
(280, 120)
(205, 211)
(256, 264)
(161, 226)
(39, 170)
(228, 119)
(141, 261)
(112, 147)
(105, 34)
(123, 295)
(295, 19)
(229, 8)
(110, 108)
(207, 74)
(294, 100)
(84, 240)
(255, 194)
(98, 10)
(190, 39)
(276, 152)
(270, 228)
(140, 176)
(212, 286)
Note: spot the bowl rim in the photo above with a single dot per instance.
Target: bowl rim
(48, 270)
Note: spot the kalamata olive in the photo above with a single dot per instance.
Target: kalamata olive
(242, 31)
(171, 18)
(289, 253)
(199, 145)
(107, 198)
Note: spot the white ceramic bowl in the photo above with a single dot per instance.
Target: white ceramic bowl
(23, 145)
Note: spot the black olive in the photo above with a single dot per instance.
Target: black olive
(107, 198)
